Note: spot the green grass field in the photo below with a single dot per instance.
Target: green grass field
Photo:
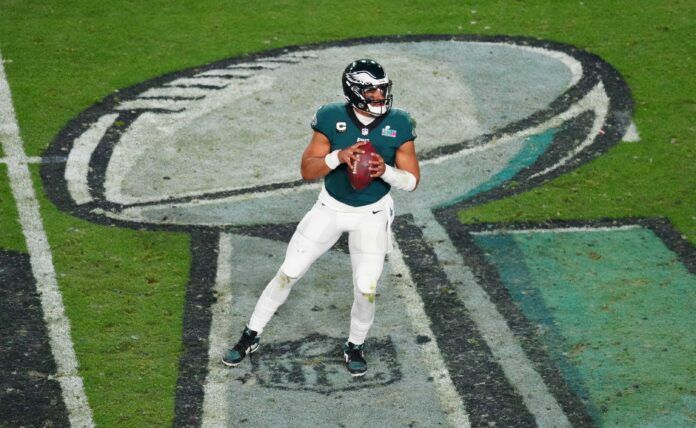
(124, 289)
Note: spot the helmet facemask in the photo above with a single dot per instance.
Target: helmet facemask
(377, 99)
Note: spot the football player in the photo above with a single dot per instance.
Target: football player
(340, 129)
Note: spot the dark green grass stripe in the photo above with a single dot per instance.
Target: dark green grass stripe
(11, 237)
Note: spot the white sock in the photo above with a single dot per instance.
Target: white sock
(361, 316)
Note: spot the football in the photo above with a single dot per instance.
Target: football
(359, 176)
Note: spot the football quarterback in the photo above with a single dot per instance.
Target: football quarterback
(339, 132)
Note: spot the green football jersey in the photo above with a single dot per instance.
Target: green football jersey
(337, 121)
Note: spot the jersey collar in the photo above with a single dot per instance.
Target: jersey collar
(374, 124)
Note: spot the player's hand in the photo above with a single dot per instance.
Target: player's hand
(376, 166)
(348, 155)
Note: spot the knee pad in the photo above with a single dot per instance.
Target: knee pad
(292, 270)
(300, 255)
(367, 269)
(283, 281)
(367, 285)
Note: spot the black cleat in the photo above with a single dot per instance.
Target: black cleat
(248, 343)
(355, 358)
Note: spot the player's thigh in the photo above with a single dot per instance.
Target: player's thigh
(371, 234)
(368, 246)
(316, 233)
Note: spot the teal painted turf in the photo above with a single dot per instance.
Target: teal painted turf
(616, 311)
(534, 146)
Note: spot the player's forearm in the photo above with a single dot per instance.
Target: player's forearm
(314, 168)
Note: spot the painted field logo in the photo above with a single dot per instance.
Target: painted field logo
(215, 150)
(313, 364)
(219, 145)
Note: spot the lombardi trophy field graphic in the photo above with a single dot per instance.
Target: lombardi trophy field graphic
(219, 145)
(215, 150)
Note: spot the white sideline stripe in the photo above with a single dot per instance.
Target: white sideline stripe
(79, 412)
(450, 400)
(25, 160)
(494, 328)
(556, 230)
(216, 389)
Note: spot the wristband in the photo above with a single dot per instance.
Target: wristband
(399, 178)
(332, 159)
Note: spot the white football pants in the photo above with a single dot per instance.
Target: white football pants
(368, 230)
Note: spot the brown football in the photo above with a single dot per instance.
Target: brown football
(359, 176)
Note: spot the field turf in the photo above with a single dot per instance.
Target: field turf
(123, 289)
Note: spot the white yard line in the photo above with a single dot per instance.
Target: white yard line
(57, 323)
(32, 159)
(216, 389)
